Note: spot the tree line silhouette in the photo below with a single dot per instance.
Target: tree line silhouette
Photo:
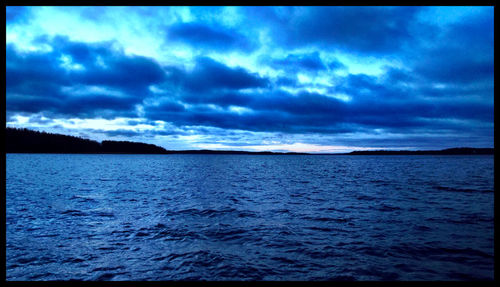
(29, 141)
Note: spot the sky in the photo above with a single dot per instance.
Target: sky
(300, 79)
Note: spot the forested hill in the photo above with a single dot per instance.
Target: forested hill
(29, 141)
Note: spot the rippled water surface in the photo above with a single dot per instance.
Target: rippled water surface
(248, 217)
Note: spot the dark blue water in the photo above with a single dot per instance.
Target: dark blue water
(247, 217)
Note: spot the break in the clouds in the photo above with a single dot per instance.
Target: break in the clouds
(314, 79)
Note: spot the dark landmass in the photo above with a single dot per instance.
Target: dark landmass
(449, 151)
(29, 141)
(205, 151)
(130, 147)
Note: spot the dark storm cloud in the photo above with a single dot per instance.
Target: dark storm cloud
(336, 65)
(286, 81)
(36, 80)
(95, 104)
(109, 67)
(376, 103)
(165, 107)
(385, 101)
(279, 111)
(209, 75)
(25, 68)
(200, 35)
(464, 54)
(16, 14)
(355, 29)
(299, 62)
(222, 99)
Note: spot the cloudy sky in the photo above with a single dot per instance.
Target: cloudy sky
(312, 79)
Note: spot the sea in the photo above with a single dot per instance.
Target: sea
(249, 217)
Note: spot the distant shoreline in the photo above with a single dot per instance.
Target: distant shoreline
(215, 152)
(29, 141)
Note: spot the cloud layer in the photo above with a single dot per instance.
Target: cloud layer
(332, 76)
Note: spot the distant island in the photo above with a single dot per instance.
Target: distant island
(448, 151)
(30, 141)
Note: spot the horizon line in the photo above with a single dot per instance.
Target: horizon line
(382, 151)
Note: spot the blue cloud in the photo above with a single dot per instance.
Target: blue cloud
(336, 65)
(359, 29)
(463, 54)
(286, 81)
(300, 62)
(217, 37)
(306, 112)
(209, 75)
(36, 80)
(16, 14)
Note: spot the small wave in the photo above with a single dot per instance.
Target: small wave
(102, 213)
(225, 234)
(365, 197)
(74, 212)
(107, 248)
(26, 260)
(73, 260)
(323, 254)
(105, 277)
(30, 229)
(175, 234)
(161, 258)
(107, 268)
(284, 260)
(327, 219)
(385, 207)
(439, 253)
(372, 251)
(379, 182)
(142, 234)
(41, 275)
(282, 211)
(81, 198)
(422, 228)
(326, 229)
(194, 259)
(121, 233)
(246, 213)
(201, 212)
(240, 272)
(174, 256)
(454, 189)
